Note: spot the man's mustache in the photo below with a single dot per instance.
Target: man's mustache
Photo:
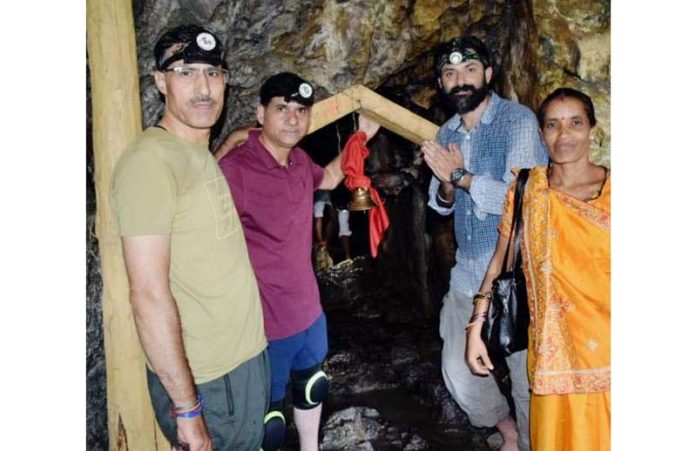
(202, 99)
(462, 88)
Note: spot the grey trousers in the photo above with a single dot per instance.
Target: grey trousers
(479, 396)
(234, 405)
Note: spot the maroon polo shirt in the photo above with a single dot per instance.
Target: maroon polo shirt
(274, 204)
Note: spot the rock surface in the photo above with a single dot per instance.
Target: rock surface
(386, 389)
(537, 46)
(96, 366)
(573, 49)
(351, 428)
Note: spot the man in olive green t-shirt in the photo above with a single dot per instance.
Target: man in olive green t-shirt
(194, 295)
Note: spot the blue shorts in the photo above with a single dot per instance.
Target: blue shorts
(294, 353)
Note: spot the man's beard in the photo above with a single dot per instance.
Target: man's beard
(464, 104)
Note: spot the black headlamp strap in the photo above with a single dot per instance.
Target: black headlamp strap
(179, 47)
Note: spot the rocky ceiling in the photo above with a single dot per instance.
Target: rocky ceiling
(538, 45)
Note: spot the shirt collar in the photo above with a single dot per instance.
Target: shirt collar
(265, 155)
(487, 117)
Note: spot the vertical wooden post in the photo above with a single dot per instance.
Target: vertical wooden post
(116, 119)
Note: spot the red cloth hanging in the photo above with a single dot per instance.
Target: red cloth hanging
(353, 166)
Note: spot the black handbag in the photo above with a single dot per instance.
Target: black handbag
(505, 329)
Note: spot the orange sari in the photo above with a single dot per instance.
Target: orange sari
(567, 264)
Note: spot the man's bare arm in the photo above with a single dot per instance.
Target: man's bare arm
(333, 174)
(156, 315)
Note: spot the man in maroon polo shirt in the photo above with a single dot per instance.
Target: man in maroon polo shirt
(272, 183)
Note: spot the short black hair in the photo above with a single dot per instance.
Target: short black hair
(289, 86)
(561, 93)
(461, 44)
(196, 45)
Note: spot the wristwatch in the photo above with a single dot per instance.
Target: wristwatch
(457, 175)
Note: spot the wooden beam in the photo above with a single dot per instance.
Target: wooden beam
(116, 121)
(381, 110)
(335, 107)
(395, 117)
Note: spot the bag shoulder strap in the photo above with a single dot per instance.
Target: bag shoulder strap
(516, 218)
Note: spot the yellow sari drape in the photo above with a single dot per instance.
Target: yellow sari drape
(567, 264)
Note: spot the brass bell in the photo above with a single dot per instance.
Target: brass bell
(361, 200)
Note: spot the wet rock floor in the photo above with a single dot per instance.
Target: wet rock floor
(386, 390)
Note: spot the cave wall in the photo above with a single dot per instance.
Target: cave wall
(573, 49)
(537, 46)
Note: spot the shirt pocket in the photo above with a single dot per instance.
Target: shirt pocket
(223, 209)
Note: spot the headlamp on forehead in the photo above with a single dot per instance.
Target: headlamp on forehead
(205, 41)
(458, 56)
(190, 43)
(305, 90)
(289, 86)
(302, 94)
(459, 51)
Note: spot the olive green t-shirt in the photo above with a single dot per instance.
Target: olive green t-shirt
(166, 185)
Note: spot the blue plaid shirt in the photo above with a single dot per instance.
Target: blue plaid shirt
(506, 137)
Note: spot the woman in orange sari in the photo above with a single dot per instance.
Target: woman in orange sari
(566, 259)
